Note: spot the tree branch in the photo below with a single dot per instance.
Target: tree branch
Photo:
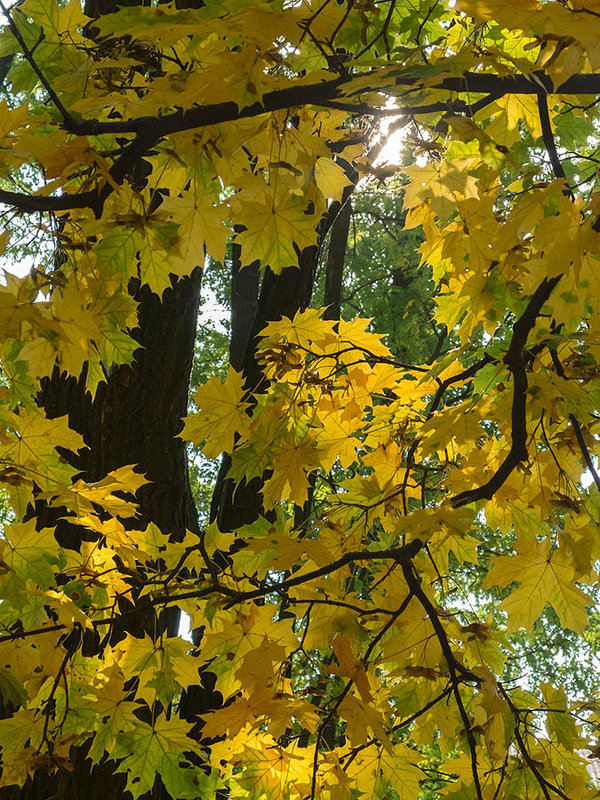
(339, 699)
(576, 426)
(548, 137)
(400, 555)
(531, 763)
(68, 120)
(516, 362)
(93, 198)
(439, 395)
(149, 130)
(341, 89)
(414, 584)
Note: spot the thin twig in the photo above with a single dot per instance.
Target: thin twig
(68, 120)
(49, 704)
(398, 554)
(405, 722)
(544, 783)
(414, 584)
(339, 699)
(576, 426)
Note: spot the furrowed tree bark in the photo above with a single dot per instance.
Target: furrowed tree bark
(336, 255)
(133, 419)
(280, 296)
(137, 412)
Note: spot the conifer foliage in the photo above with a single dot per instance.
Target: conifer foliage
(338, 653)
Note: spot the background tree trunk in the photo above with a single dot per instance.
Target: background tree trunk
(280, 295)
(336, 254)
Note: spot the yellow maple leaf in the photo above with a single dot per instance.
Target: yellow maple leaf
(292, 462)
(80, 497)
(514, 109)
(363, 719)
(200, 225)
(28, 445)
(330, 178)
(543, 578)
(442, 184)
(222, 414)
(398, 770)
(416, 643)
(350, 667)
(306, 330)
(276, 230)
(21, 738)
(336, 440)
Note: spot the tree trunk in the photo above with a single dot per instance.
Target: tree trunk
(244, 305)
(137, 412)
(336, 254)
(281, 295)
(133, 419)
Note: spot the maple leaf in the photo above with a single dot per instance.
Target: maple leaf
(356, 333)
(363, 719)
(277, 230)
(442, 184)
(200, 226)
(351, 667)
(330, 178)
(374, 773)
(269, 770)
(337, 441)
(222, 415)
(80, 497)
(18, 757)
(161, 666)
(27, 554)
(306, 330)
(543, 577)
(292, 461)
(156, 750)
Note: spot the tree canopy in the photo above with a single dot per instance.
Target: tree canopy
(393, 521)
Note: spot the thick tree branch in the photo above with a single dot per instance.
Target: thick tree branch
(402, 555)
(339, 89)
(149, 130)
(35, 203)
(516, 361)
(93, 198)
(548, 137)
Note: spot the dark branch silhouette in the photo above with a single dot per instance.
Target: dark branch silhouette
(516, 360)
